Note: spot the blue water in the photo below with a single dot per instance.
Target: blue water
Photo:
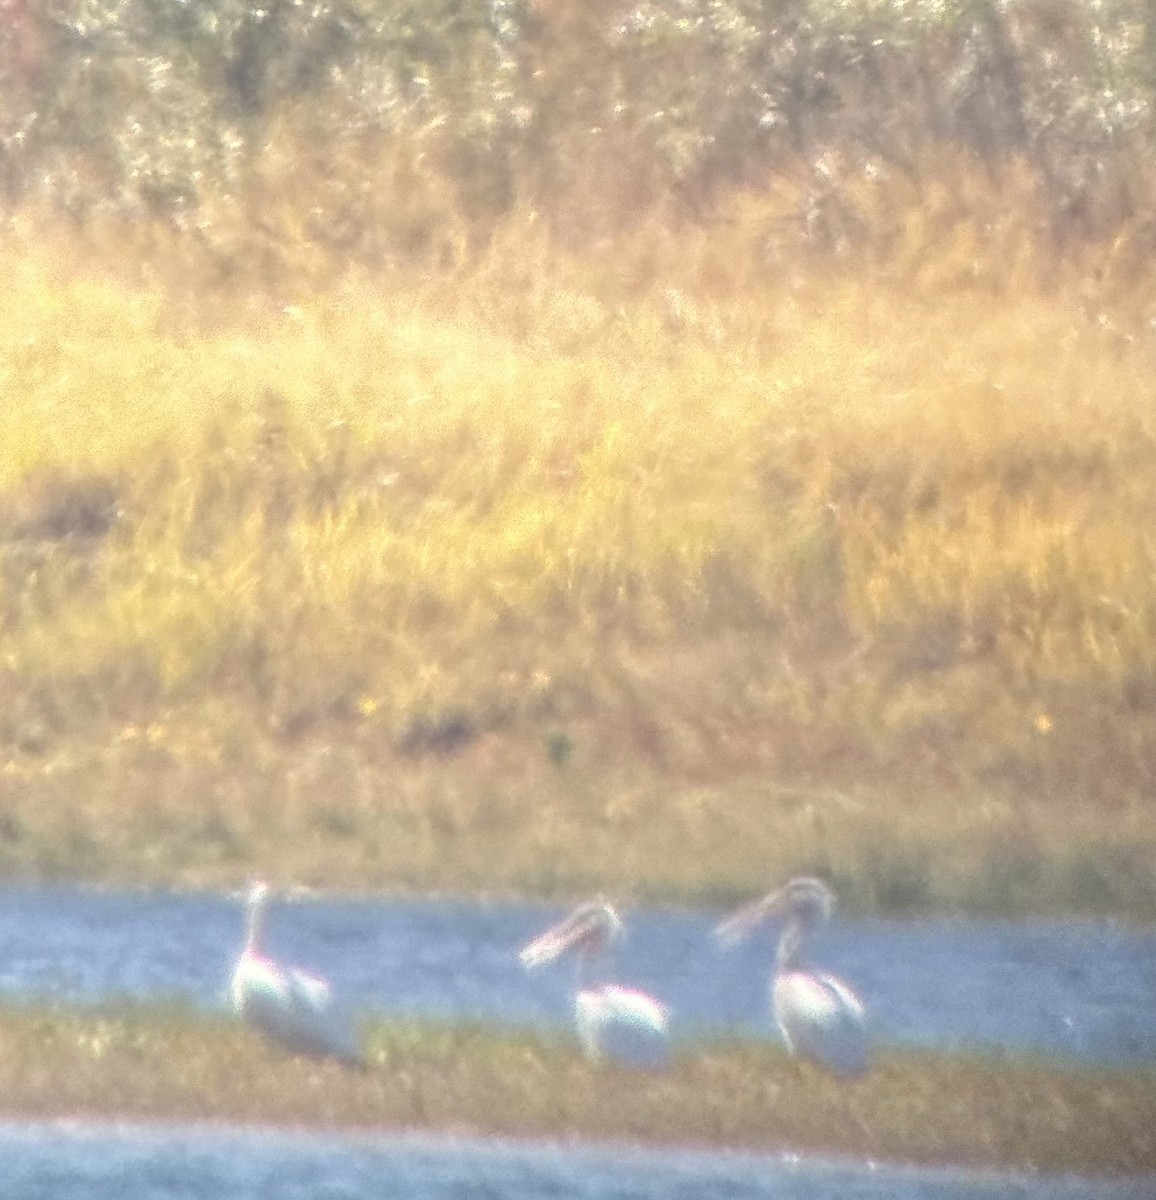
(1080, 990)
(62, 1162)
(1084, 991)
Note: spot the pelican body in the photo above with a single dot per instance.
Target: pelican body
(288, 1005)
(613, 1022)
(819, 1016)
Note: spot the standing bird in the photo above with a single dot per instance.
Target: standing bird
(288, 1005)
(612, 1021)
(819, 1016)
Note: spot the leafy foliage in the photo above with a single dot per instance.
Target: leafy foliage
(396, 129)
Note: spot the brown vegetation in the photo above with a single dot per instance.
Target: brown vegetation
(432, 469)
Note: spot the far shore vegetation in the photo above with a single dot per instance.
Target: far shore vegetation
(536, 448)
(168, 1064)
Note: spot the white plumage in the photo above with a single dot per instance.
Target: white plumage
(288, 1005)
(819, 1016)
(612, 1021)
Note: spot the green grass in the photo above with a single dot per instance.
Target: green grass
(170, 1064)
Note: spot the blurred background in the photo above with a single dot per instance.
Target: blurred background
(532, 447)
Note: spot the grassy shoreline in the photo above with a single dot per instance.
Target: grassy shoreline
(687, 578)
(642, 569)
(500, 819)
(169, 1065)
(566, 448)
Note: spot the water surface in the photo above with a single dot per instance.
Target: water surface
(91, 1162)
(1081, 990)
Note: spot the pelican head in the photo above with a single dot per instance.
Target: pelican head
(804, 900)
(592, 928)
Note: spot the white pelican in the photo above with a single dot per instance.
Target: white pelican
(819, 1016)
(612, 1021)
(288, 1005)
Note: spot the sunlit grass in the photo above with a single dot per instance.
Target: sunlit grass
(170, 1064)
(643, 569)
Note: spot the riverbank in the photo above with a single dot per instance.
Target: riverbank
(166, 1064)
(553, 573)
(341, 810)
(559, 448)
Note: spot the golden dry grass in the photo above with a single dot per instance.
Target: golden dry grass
(666, 569)
(912, 1107)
